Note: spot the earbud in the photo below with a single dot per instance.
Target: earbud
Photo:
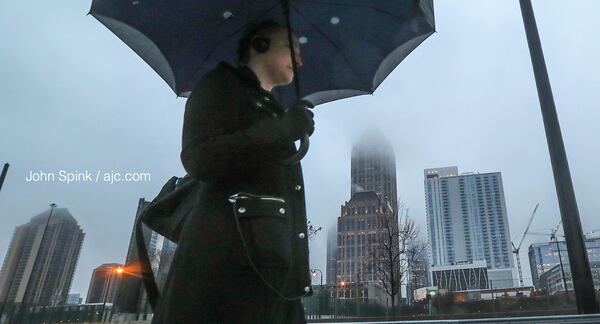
(261, 44)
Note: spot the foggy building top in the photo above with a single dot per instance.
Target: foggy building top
(373, 168)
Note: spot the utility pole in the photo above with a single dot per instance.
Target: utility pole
(583, 283)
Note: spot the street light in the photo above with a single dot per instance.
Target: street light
(314, 273)
(583, 283)
(118, 270)
(320, 298)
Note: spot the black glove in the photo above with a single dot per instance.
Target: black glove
(298, 120)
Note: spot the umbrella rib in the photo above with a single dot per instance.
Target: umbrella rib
(330, 41)
(221, 42)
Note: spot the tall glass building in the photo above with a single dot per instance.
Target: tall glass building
(467, 221)
(544, 256)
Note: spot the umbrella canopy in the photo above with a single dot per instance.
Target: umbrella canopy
(348, 46)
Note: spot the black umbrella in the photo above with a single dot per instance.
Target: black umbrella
(348, 46)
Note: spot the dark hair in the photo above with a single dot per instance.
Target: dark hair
(264, 28)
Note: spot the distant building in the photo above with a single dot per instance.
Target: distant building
(104, 284)
(544, 256)
(352, 255)
(131, 299)
(132, 302)
(467, 221)
(373, 168)
(463, 276)
(359, 237)
(41, 260)
(74, 299)
(551, 281)
(418, 276)
(332, 256)
(167, 252)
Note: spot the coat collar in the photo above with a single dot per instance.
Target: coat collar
(247, 75)
(244, 72)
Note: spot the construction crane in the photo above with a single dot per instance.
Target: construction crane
(3, 175)
(518, 248)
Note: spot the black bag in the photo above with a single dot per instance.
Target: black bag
(168, 210)
(165, 215)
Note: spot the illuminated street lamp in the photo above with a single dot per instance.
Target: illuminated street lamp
(314, 273)
(118, 270)
(320, 298)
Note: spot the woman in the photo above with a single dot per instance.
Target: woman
(235, 133)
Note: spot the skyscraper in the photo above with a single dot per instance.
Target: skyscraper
(467, 221)
(360, 236)
(373, 196)
(41, 259)
(373, 168)
(104, 284)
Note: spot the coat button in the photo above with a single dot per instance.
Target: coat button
(307, 289)
(267, 99)
(301, 235)
(297, 187)
(241, 210)
(259, 104)
(282, 210)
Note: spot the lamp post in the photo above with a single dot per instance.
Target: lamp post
(118, 271)
(320, 298)
(313, 271)
(583, 282)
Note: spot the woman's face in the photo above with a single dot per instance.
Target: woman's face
(278, 59)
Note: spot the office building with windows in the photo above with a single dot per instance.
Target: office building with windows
(545, 256)
(104, 284)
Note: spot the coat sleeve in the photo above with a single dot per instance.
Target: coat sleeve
(214, 144)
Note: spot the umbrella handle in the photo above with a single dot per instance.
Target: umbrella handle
(302, 150)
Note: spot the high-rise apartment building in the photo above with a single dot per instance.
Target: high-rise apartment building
(467, 221)
(104, 284)
(41, 259)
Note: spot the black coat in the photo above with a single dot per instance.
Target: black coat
(228, 145)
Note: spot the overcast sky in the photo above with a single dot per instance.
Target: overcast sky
(74, 97)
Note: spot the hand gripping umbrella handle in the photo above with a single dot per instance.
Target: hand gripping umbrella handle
(302, 150)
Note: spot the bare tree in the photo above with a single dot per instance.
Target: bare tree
(312, 230)
(395, 251)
